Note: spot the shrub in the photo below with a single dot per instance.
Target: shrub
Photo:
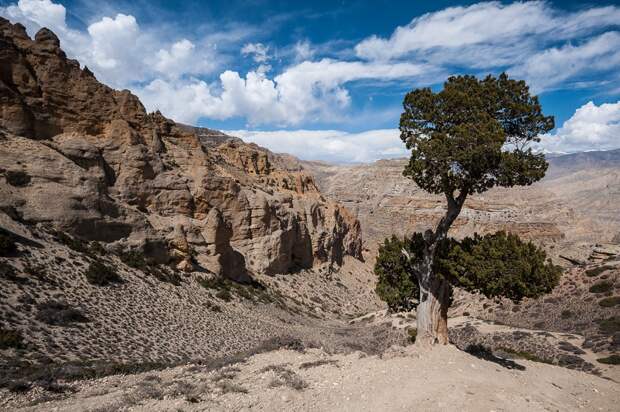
(597, 270)
(396, 284)
(412, 333)
(566, 314)
(17, 178)
(601, 287)
(11, 339)
(609, 326)
(134, 259)
(59, 313)
(610, 360)
(224, 294)
(101, 275)
(7, 245)
(72, 243)
(609, 302)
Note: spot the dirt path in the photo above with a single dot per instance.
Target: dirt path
(404, 379)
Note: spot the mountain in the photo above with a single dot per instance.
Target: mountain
(92, 162)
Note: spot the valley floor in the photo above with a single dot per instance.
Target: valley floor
(402, 379)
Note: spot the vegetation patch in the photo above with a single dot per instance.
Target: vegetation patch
(412, 333)
(137, 260)
(609, 302)
(59, 313)
(72, 243)
(609, 326)
(525, 355)
(317, 363)
(610, 360)
(225, 288)
(601, 287)
(17, 178)
(101, 275)
(598, 270)
(11, 339)
(286, 377)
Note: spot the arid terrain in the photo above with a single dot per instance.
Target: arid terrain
(150, 265)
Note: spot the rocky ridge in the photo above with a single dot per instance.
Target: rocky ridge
(89, 160)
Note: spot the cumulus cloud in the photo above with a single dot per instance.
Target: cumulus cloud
(309, 90)
(330, 145)
(592, 127)
(116, 49)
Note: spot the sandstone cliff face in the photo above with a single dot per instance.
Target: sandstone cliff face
(576, 202)
(89, 160)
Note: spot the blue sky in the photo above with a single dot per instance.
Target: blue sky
(325, 79)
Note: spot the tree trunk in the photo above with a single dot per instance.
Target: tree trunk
(432, 312)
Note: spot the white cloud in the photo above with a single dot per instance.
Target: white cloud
(592, 127)
(522, 37)
(258, 51)
(309, 90)
(330, 145)
(41, 13)
(556, 65)
(116, 49)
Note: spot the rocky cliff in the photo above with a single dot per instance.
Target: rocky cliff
(89, 160)
(576, 202)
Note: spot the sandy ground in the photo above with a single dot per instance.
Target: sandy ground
(403, 379)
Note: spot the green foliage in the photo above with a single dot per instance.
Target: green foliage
(500, 264)
(457, 136)
(610, 325)
(11, 339)
(224, 288)
(609, 302)
(397, 284)
(412, 333)
(597, 270)
(610, 360)
(7, 245)
(101, 275)
(134, 259)
(496, 264)
(601, 287)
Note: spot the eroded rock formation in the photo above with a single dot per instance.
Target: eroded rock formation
(90, 160)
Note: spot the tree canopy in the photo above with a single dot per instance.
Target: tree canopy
(497, 264)
(473, 135)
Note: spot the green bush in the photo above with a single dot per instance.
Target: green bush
(610, 360)
(610, 325)
(412, 333)
(134, 259)
(11, 339)
(597, 270)
(397, 284)
(101, 275)
(609, 302)
(496, 265)
(7, 245)
(17, 178)
(601, 287)
(224, 294)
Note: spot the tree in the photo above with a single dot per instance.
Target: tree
(497, 265)
(465, 139)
